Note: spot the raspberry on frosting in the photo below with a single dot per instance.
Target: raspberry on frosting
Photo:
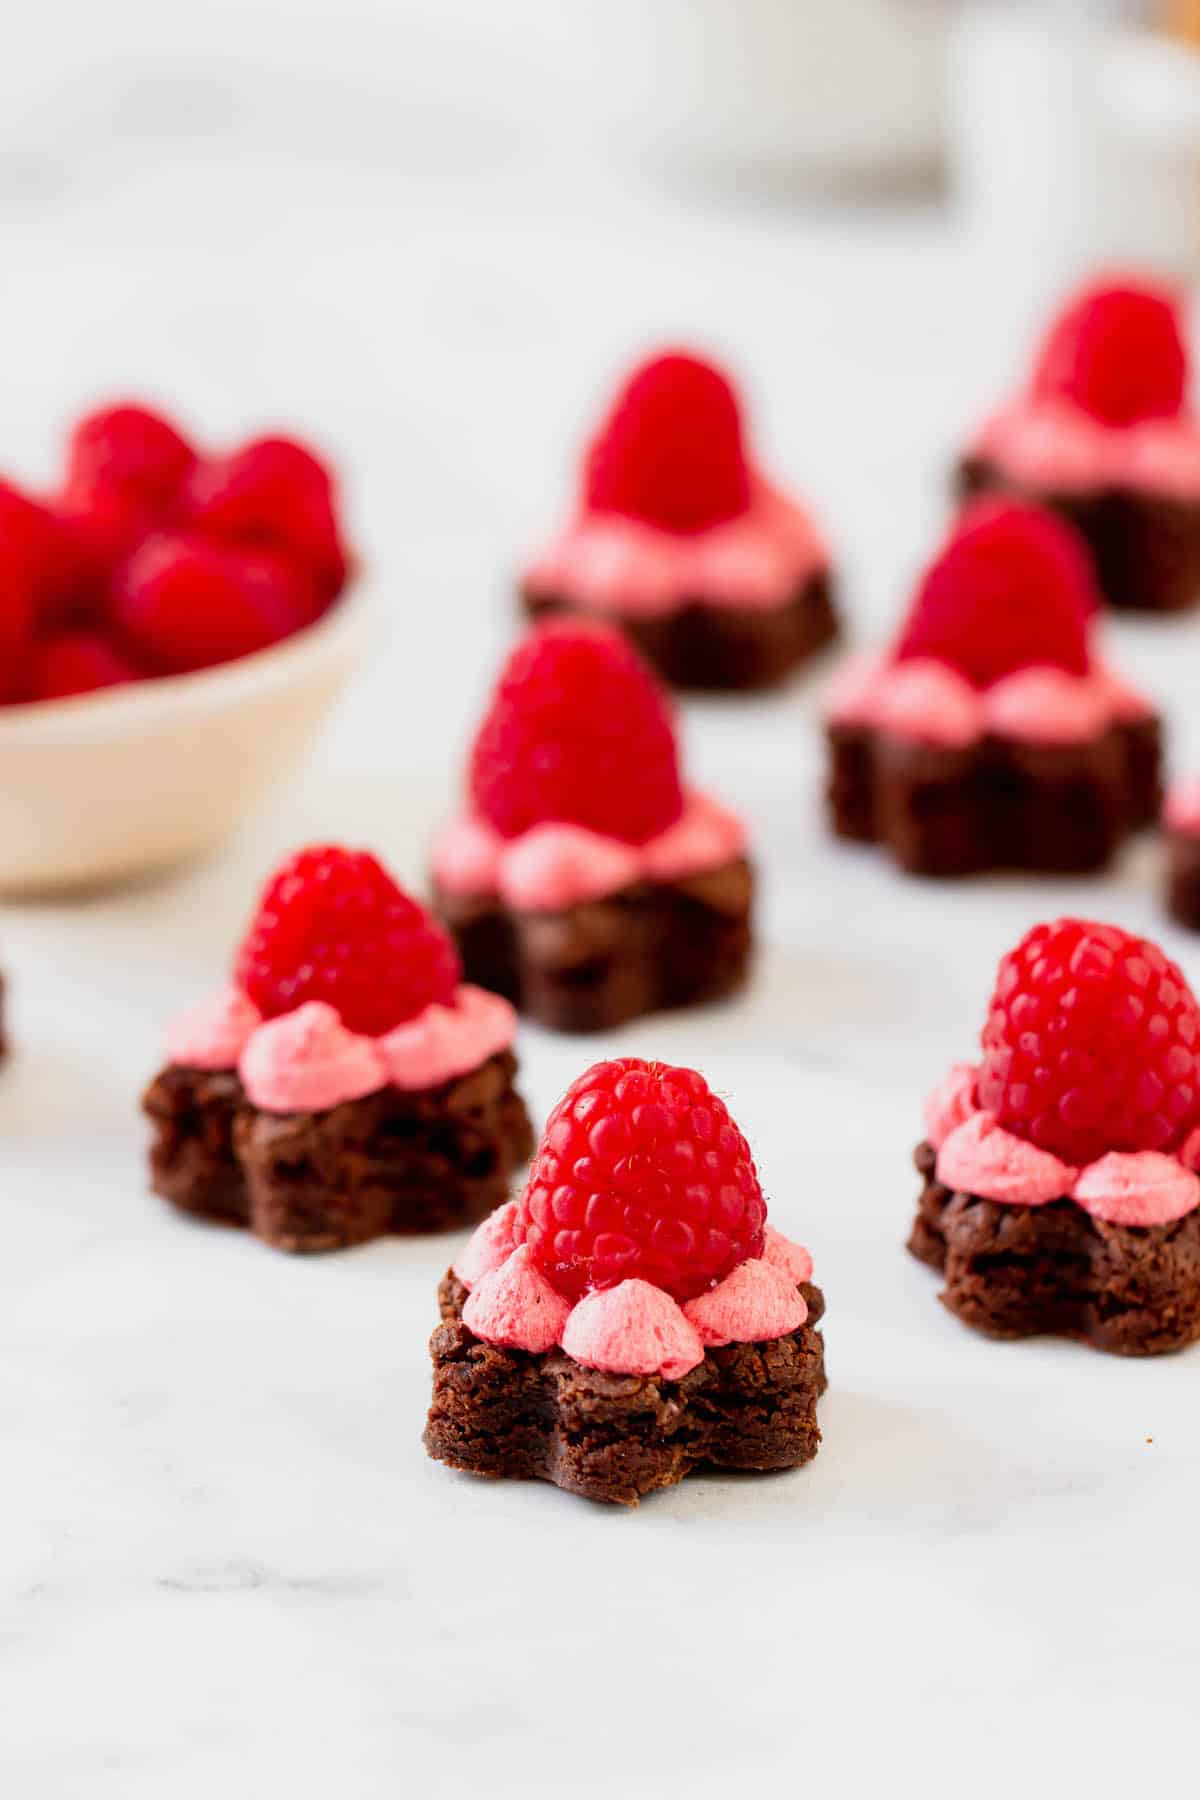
(333, 926)
(641, 1174)
(1117, 351)
(670, 451)
(579, 733)
(1011, 588)
(1092, 1044)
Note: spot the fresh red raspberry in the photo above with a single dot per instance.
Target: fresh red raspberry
(578, 732)
(30, 570)
(182, 604)
(1092, 1043)
(129, 452)
(76, 662)
(271, 495)
(670, 450)
(98, 530)
(1011, 587)
(332, 925)
(641, 1172)
(1117, 351)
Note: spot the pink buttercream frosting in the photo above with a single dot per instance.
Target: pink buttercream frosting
(1137, 1188)
(490, 1244)
(951, 1102)
(980, 1157)
(928, 702)
(1125, 704)
(795, 1261)
(1182, 809)
(213, 1033)
(976, 1155)
(757, 1301)
(443, 1042)
(612, 564)
(515, 1306)
(925, 701)
(554, 866)
(1047, 706)
(307, 1061)
(632, 1329)
(1053, 445)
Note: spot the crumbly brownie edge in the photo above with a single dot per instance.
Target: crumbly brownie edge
(706, 647)
(651, 947)
(1053, 1270)
(999, 805)
(616, 1438)
(1183, 878)
(393, 1161)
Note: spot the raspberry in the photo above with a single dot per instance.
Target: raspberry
(29, 572)
(1012, 587)
(1092, 1043)
(578, 732)
(332, 925)
(98, 530)
(670, 450)
(641, 1173)
(1118, 352)
(181, 604)
(129, 452)
(37, 564)
(271, 495)
(76, 662)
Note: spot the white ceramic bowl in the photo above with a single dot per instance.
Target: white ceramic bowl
(130, 780)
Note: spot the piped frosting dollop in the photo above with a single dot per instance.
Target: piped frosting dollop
(977, 1155)
(633, 1328)
(627, 567)
(555, 866)
(307, 1061)
(925, 701)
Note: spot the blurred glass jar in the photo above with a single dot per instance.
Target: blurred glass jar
(825, 92)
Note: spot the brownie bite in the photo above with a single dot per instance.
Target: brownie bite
(721, 580)
(1104, 434)
(1060, 1192)
(1181, 826)
(347, 1082)
(991, 735)
(632, 1316)
(583, 881)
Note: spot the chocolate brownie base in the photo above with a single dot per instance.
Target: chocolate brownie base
(647, 948)
(1054, 809)
(706, 647)
(618, 1437)
(1027, 1271)
(1183, 878)
(394, 1161)
(1146, 546)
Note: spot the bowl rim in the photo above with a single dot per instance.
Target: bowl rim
(334, 636)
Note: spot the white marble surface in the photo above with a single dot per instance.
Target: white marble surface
(226, 1565)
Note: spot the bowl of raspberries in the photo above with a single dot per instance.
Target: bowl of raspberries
(173, 624)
